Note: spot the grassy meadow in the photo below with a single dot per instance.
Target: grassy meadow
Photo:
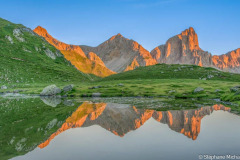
(176, 81)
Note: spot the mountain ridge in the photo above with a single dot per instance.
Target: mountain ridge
(90, 63)
(184, 49)
(120, 54)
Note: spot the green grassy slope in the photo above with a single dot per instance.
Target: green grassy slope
(177, 81)
(26, 58)
(175, 71)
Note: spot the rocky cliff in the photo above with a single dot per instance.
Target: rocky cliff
(229, 62)
(90, 63)
(120, 54)
(184, 49)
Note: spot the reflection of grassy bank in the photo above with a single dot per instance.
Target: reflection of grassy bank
(163, 104)
(25, 123)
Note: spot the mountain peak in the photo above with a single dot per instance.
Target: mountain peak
(190, 39)
(40, 27)
(40, 31)
(116, 36)
(119, 34)
(189, 31)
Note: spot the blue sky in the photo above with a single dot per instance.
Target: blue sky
(149, 22)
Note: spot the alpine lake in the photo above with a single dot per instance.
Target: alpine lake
(54, 128)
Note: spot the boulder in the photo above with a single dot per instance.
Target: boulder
(95, 87)
(51, 124)
(237, 93)
(17, 91)
(96, 95)
(51, 90)
(210, 76)
(9, 39)
(120, 84)
(198, 89)
(235, 89)
(26, 50)
(52, 101)
(50, 54)
(17, 34)
(68, 102)
(218, 90)
(171, 91)
(68, 88)
(4, 87)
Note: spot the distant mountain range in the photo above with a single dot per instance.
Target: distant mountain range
(119, 54)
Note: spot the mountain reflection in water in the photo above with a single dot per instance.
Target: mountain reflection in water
(121, 118)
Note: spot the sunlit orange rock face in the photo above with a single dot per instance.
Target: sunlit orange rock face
(184, 49)
(228, 62)
(133, 65)
(121, 119)
(93, 57)
(187, 122)
(77, 119)
(121, 54)
(59, 45)
(89, 63)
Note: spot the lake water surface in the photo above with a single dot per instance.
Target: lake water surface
(89, 130)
